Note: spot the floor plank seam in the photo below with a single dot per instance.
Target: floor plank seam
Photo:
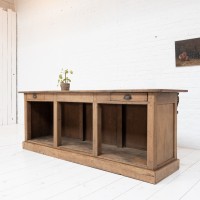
(76, 186)
(190, 189)
(18, 168)
(41, 188)
(28, 181)
(127, 191)
(173, 179)
(101, 188)
(29, 175)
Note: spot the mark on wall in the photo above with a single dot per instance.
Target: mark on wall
(187, 52)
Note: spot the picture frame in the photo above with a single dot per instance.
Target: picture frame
(187, 52)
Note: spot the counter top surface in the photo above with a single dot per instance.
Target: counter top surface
(107, 91)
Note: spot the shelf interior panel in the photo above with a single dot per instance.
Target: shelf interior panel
(124, 155)
(77, 144)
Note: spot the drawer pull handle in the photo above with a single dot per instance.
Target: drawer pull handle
(127, 97)
(35, 96)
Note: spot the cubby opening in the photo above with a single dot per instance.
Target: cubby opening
(41, 122)
(124, 133)
(76, 126)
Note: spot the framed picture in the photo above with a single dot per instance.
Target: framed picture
(187, 52)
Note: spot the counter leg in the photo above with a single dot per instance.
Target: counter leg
(96, 129)
(57, 124)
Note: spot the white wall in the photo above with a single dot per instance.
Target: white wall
(111, 44)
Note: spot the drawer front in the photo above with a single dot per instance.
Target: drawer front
(75, 97)
(40, 97)
(135, 97)
(103, 97)
(49, 97)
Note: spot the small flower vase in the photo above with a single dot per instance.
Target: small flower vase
(65, 86)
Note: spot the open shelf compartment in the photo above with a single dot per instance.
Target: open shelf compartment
(41, 122)
(124, 133)
(76, 126)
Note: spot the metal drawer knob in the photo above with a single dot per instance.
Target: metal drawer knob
(35, 96)
(127, 97)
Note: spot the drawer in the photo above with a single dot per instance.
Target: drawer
(103, 97)
(135, 97)
(40, 97)
(49, 97)
(70, 97)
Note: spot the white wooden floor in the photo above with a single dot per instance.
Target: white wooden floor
(25, 175)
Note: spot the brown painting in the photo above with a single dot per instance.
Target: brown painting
(187, 52)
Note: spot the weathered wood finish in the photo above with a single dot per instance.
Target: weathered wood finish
(136, 126)
(135, 137)
(97, 136)
(27, 118)
(40, 97)
(105, 92)
(72, 120)
(133, 96)
(164, 133)
(119, 129)
(109, 124)
(87, 121)
(131, 171)
(175, 125)
(151, 137)
(75, 97)
(41, 119)
(165, 129)
(57, 124)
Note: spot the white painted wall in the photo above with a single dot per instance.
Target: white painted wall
(111, 44)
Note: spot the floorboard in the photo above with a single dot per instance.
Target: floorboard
(28, 175)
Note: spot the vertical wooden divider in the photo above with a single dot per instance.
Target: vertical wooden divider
(175, 127)
(151, 137)
(27, 118)
(96, 128)
(57, 123)
(81, 115)
(119, 126)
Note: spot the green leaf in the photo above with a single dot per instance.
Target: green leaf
(60, 76)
